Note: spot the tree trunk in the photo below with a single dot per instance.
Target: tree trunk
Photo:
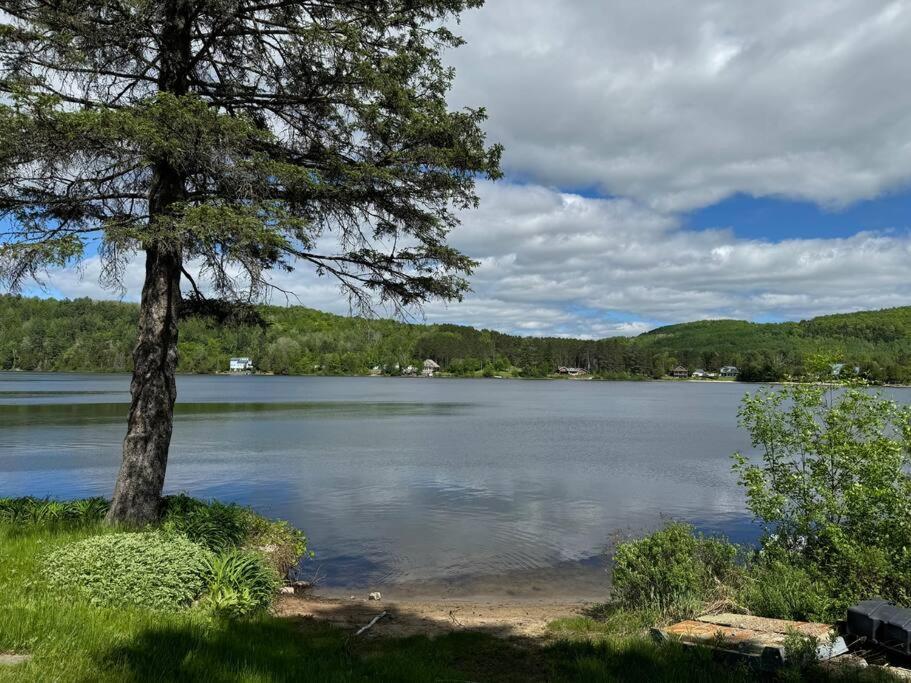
(137, 494)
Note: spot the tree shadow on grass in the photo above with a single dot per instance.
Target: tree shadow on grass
(305, 650)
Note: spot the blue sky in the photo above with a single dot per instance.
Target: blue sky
(773, 219)
(671, 161)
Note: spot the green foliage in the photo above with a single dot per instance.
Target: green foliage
(45, 512)
(224, 553)
(149, 569)
(832, 488)
(283, 544)
(98, 336)
(217, 526)
(79, 642)
(800, 651)
(240, 169)
(784, 590)
(240, 583)
(673, 571)
(226, 526)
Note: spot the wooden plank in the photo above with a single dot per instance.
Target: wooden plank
(742, 640)
(757, 639)
(745, 621)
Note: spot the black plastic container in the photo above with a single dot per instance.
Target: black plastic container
(881, 623)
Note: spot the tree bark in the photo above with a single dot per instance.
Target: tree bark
(137, 493)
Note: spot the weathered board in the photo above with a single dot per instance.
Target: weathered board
(759, 640)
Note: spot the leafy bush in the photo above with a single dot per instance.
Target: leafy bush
(672, 571)
(30, 511)
(151, 569)
(218, 526)
(832, 487)
(832, 490)
(240, 583)
(779, 589)
(221, 527)
(282, 544)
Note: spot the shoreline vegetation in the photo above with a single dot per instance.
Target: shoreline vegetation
(552, 377)
(197, 595)
(83, 335)
(62, 633)
(58, 626)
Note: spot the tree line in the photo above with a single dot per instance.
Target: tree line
(98, 336)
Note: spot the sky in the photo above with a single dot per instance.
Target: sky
(671, 161)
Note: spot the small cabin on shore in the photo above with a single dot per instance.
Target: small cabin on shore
(680, 372)
(699, 374)
(240, 365)
(729, 371)
(430, 367)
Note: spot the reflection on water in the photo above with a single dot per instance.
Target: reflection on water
(407, 479)
(42, 414)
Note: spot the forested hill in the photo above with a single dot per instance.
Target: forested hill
(85, 335)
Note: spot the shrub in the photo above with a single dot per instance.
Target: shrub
(240, 583)
(832, 487)
(282, 544)
(672, 571)
(776, 588)
(221, 527)
(218, 526)
(44, 512)
(150, 569)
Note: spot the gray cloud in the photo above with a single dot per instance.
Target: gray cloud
(681, 104)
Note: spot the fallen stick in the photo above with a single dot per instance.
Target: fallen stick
(372, 622)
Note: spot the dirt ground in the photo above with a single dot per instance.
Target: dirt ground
(413, 616)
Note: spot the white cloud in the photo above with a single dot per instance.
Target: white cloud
(560, 264)
(679, 104)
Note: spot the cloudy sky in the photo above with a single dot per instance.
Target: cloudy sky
(669, 161)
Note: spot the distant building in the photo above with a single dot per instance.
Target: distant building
(699, 374)
(572, 372)
(729, 371)
(430, 367)
(680, 372)
(838, 368)
(240, 365)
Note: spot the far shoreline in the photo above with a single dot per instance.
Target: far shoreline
(444, 376)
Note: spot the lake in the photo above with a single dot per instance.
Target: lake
(408, 480)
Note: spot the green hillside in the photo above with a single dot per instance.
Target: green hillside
(85, 335)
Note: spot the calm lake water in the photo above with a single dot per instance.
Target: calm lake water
(399, 480)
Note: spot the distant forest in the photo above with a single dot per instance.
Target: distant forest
(97, 336)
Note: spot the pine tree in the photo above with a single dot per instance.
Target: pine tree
(233, 139)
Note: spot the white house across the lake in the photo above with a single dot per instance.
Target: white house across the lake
(240, 365)
(729, 371)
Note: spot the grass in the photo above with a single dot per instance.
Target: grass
(71, 640)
